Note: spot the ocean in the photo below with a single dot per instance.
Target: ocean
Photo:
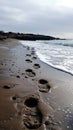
(57, 53)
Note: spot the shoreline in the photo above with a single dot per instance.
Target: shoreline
(33, 95)
(43, 59)
(62, 70)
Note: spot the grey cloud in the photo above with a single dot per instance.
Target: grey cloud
(27, 16)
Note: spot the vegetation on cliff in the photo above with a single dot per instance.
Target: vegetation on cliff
(22, 36)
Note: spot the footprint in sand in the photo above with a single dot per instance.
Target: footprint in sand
(43, 85)
(14, 98)
(18, 76)
(34, 57)
(28, 61)
(30, 72)
(8, 86)
(36, 66)
(28, 55)
(33, 53)
(32, 116)
(28, 48)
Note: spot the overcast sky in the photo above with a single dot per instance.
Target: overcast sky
(51, 17)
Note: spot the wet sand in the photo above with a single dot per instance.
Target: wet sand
(33, 95)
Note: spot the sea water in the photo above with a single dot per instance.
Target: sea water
(57, 53)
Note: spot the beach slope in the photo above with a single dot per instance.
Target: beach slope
(33, 95)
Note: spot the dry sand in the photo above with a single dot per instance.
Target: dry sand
(33, 95)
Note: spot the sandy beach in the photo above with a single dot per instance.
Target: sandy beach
(33, 95)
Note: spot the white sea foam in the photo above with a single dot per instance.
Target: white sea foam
(57, 53)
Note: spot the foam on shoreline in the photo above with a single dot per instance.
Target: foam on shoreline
(63, 65)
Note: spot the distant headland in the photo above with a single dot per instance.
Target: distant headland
(23, 36)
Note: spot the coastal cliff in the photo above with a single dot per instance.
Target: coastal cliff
(22, 36)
